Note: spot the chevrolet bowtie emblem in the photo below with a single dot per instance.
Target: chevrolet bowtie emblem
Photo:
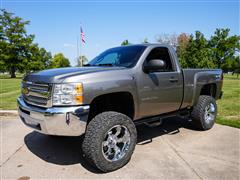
(25, 90)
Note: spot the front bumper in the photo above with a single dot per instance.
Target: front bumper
(61, 121)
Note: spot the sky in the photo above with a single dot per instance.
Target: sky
(106, 23)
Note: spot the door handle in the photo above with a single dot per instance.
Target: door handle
(172, 79)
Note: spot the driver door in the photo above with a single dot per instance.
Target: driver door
(160, 91)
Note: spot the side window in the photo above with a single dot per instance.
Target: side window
(163, 54)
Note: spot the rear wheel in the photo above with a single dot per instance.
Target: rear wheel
(109, 140)
(204, 112)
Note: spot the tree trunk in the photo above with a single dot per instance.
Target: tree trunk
(12, 72)
(219, 63)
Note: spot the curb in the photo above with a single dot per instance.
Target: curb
(8, 113)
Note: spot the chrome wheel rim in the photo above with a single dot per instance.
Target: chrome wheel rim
(209, 113)
(116, 143)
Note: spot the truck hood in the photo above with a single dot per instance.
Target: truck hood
(59, 74)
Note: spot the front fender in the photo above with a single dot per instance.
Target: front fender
(107, 85)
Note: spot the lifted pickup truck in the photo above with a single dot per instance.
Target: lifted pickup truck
(121, 87)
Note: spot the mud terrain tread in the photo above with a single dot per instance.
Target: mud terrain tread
(197, 113)
(95, 132)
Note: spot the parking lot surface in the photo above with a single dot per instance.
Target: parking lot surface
(172, 151)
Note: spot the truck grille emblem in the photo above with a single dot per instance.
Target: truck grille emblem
(25, 91)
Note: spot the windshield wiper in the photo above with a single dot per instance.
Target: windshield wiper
(106, 64)
(89, 65)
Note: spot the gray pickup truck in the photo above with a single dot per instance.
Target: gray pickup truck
(118, 89)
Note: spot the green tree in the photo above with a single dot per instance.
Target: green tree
(17, 50)
(40, 59)
(59, 61)
(14, 42)
(82, 60)
(224, 46)
(182, 42)
(198, 53)
(236, 65)
(125, 43)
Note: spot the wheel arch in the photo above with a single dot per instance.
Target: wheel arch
(122, 102)
(209, 89)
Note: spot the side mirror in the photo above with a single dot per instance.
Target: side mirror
(154, 65)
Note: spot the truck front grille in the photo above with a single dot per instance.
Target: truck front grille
(37, 94)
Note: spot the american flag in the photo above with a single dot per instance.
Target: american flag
(82, 36)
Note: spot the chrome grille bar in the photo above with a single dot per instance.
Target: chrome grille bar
(37, 94)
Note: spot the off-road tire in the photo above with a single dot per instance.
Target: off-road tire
(94, 136)
(198, 112)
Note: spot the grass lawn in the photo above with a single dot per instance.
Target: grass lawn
(9, 91)
(228, 106)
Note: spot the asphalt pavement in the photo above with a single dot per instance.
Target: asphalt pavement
(174, 150)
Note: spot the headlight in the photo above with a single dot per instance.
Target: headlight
(68, 94)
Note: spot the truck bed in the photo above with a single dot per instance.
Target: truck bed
(194, 79)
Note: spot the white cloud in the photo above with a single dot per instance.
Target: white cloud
(69, 45)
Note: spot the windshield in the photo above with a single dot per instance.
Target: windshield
(126, 56)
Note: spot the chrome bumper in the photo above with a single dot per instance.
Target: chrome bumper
(61, 121)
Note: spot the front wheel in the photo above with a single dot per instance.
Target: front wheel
(204, 112)
(109, 140)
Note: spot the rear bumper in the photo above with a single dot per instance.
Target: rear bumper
(61, 121)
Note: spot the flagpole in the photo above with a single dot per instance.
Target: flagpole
(80, 52)
(80, 45)
(77, 50)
